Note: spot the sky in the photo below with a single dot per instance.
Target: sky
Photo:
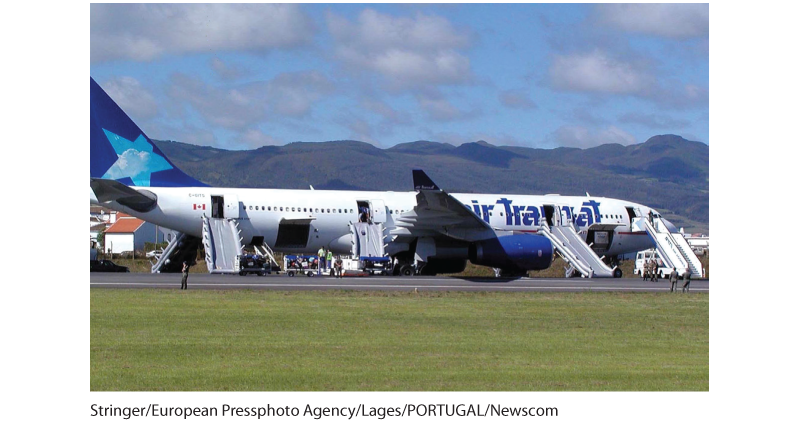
(241, 76)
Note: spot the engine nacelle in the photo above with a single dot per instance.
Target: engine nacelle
(525, 252)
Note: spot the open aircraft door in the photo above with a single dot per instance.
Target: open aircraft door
(378, 210)
(566, 214)
(231, 206)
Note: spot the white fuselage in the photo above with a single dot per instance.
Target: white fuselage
(260, 211)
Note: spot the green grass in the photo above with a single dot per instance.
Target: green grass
(265, 340)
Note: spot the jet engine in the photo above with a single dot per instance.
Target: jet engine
(523, 252)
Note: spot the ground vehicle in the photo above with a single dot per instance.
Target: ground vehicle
(254, 263)
(645, 256)
(307, 265)
(375, 265)
(106, 266)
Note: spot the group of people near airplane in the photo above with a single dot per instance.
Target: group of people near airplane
(650, 272)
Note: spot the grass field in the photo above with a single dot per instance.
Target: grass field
(297, 341)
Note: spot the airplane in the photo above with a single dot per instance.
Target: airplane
(428, 230)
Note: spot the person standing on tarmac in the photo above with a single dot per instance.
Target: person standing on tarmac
(185, 277)
(337, 267)
(687, 277)
(329, 258)
(321, 254)
(673, 279)
(655, 270)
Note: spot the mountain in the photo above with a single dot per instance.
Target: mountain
(666, 172)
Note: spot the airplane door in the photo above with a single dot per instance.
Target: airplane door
(231, 206)
(566, 217)
(378, 211)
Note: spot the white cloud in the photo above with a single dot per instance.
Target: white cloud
(131, 163)
(517, 99)
(390, 114)
(653, 121)
(254, 138)
(226, 107)
(132, 97)
(664, 20)
(293, 94)
(239, 107)
(406, 52)
(144, 32)
(582, 137)
(440, 109)
(598, 72)
(226, 71)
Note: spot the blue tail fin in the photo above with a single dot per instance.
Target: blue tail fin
(121, 151)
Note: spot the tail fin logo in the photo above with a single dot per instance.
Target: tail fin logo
(136, 160)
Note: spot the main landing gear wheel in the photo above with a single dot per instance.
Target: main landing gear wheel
(406, 271)
(617, 273)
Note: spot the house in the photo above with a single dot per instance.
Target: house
(100, 218)
(130, 234)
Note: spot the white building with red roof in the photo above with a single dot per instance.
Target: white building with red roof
(130, 234)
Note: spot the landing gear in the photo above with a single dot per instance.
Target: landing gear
(618, 273)
(406, 270)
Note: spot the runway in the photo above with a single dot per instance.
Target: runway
(384, 283)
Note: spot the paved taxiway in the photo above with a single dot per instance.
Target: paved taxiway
(385, 283)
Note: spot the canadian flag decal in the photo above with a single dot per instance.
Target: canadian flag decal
(198, 206)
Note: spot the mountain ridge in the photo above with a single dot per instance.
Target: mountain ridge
(666, 172)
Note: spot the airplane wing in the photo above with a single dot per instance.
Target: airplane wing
(110, 190)
(438, 212)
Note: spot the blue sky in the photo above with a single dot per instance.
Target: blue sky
(244, 76)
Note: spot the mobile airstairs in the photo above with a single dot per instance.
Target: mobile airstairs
(368, 239)
(673, 249)
(222, 243)
(182, 248)
(575, 251)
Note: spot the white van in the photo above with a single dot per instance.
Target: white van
(645, 256)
